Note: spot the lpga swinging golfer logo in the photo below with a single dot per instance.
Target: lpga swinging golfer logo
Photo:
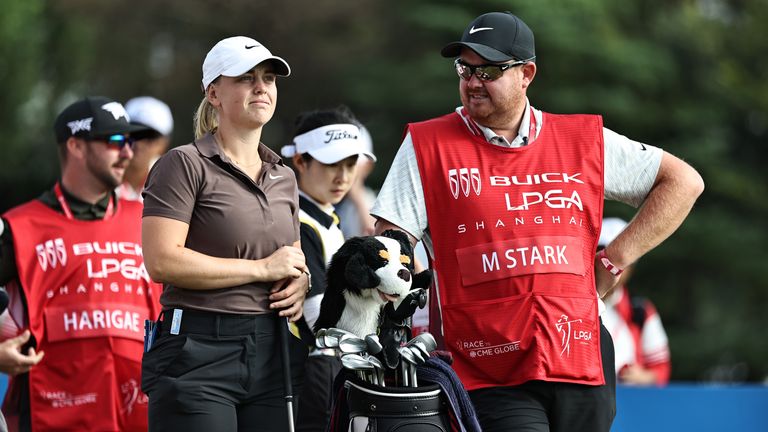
(563, 327)
(462, 179)
(131, 396)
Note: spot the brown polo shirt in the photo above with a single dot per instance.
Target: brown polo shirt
(229, 216)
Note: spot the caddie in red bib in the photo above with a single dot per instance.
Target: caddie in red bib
(80, 276)
(88, 295)
(508, 200)
(514, 254)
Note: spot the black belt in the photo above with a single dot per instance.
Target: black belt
(220, 324)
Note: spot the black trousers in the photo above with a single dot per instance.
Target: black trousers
(317, 393)
(540, 406)
(221, 373)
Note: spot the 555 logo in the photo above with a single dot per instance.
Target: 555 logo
(51, 253)
(464, 180)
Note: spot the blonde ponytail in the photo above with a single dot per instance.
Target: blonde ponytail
(206, 119)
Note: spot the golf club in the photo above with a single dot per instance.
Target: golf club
(352, 344)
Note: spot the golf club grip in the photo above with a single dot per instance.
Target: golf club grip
(284, 346)
(284, 340)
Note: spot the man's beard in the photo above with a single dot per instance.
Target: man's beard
(495, 114)
(103, 174)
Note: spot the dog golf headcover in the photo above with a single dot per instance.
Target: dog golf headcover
(394, 329)
(365, 274)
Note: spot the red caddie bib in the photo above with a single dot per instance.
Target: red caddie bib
(88, 294)
(514, 232)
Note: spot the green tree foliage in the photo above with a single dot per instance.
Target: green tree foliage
(684, 75)
(22, 56)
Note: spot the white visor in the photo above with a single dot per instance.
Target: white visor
(329, 144)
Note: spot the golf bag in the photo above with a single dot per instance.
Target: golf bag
(395, 409)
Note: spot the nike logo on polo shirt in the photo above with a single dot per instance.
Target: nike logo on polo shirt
(250, 46)
(474, 30)
(642, 146)
(271, 177)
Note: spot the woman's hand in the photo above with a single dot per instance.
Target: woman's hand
(286, 262)
(287, 295)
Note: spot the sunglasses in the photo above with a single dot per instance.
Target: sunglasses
(117, 141)
(486, 72)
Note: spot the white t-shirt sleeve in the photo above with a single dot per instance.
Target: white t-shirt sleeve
(654, 341)
(630, 168)
(401, 198)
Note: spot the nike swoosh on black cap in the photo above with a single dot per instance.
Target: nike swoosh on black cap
(507, 38)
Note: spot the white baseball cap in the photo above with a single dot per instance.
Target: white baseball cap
(612, 227)
(150, 112)
(329, 144)
(237, 55)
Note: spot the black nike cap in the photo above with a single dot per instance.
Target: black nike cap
(497, 37)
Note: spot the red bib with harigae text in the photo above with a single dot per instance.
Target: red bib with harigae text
(514, 232)
(88, 294)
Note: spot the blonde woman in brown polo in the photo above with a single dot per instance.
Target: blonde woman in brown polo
(221, 231)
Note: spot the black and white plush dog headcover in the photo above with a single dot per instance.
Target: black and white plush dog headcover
(364, 274)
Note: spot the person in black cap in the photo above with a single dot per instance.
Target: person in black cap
(72, 263)
(508, 200)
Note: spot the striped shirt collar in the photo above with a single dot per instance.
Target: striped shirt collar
(520, 140)
(323, 214)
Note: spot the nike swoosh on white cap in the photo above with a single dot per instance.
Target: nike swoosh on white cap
(474, 30)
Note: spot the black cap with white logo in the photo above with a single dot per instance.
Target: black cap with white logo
(93, 117)
(497, 37)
